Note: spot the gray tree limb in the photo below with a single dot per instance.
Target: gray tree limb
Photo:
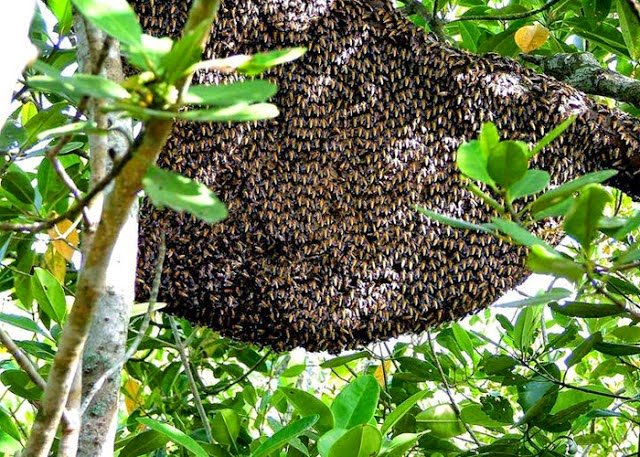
(108, 333)
(583, 71)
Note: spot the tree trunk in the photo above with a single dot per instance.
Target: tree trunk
(106, 344)
(323, 247)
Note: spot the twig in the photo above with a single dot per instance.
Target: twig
(142, 331)
(25, 363)
(242, 377)
(76, 209)
(432, 19)
(454, 405)
(192, 382)
(508, 17)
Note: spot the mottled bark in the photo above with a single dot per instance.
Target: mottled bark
(584, 72)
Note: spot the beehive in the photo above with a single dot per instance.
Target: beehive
(322, 248)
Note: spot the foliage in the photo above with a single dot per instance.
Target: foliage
(550, 374)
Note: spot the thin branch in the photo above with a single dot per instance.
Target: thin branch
(182, 350)
(25, 363)
(454, 405)
(432, 19)
(242, 377)
(21, 358)
(508, 17)
(142, 331)
(76, 209)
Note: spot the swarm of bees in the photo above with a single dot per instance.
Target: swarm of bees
(323, 248)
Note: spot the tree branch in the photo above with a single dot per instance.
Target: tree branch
(447, 389)
(583, 71)
(91, 280)
(508, 17)
(182, 350)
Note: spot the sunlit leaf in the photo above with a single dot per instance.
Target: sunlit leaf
(166, 188)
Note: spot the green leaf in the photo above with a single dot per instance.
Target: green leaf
(343, 359)
(19, 186)
(560, 193)
(441, 420)
(356, 403)
(630, 26)
(451, 221)
(49, 294)
(497, 364)
(569, 397)
(527, 323)
(149, 55)
(166, 188)
(144, 443)
(184, 53)
(7, 424)
(402, 409)
(630, 224)
(542, 260)
(537, 398)
(552, 135)
(22, 322)
(421, 369)
(8, 444)
(617, 349)
(252, 91)
(306, 404)
(260, 62)
(584, 348)
(400, 445)
(240, 112)
(557, 293)
(489, 138)
(363, 440)
(284, 435)
(587, 310)
(464, 341)
(12, 135)
(49, 118)
(581, 222)
(474, 415)
(79, 85)
(497, 408)
(508, 163)
(532, 182)
(562, 421)
(225, 427)
(472, 161)
(174, 435)
(518, 234)
(63, 13)
(115, 17)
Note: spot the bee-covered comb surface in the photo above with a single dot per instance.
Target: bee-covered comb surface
(323, 248)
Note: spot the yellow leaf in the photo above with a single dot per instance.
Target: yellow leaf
(65, 239)
(131, 395)
(55, 263)
(531, 37)
(380, 372)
